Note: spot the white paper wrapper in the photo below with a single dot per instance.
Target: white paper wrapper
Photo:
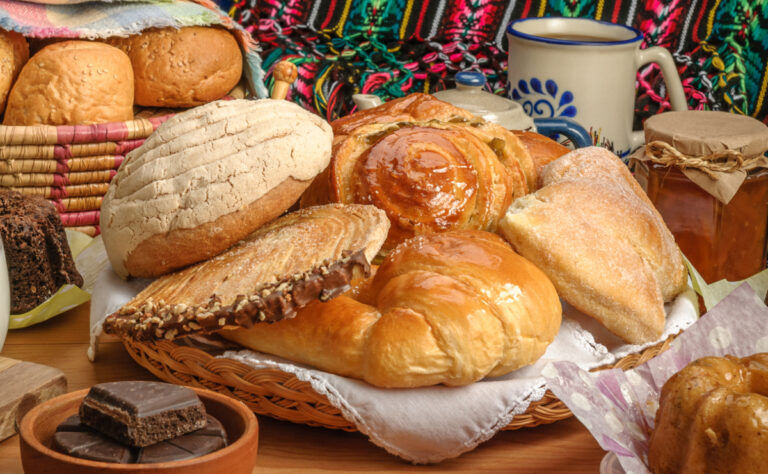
(618, 407)
(430, 424)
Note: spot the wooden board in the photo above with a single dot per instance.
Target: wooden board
(22, 386)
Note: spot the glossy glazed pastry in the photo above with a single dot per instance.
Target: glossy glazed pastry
(712, 418)
(427, 177)
(446, 308)
(543, 150)
(411, 108)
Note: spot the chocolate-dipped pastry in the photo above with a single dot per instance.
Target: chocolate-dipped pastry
(140, 413)
(76, 439)
(312, 254)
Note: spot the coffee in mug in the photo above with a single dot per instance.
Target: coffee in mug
(585, 70)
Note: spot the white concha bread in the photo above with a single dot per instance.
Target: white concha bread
(207, 178)
(595, 233)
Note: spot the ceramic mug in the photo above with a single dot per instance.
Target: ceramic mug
(585, 70)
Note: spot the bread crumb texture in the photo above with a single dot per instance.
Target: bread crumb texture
(208, 162)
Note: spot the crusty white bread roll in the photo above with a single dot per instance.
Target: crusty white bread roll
(446, 308)
(595, 233)
(302, 256)
(14, 52)
(70, 83)
(207, 178)
(182, 67)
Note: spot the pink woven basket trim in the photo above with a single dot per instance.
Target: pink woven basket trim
(100, 132)
(74, 219)
(129, 145)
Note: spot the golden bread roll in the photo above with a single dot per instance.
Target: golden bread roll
(14, 52)
(207, 178)
(446, 308)
(427, 177)
(310, 254)
(71, 83)
(422, 108)
(592, 230)
(711, 418)
(542, 149)
(414, 107)
(182, 67)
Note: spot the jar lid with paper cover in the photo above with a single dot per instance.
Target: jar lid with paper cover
(707, 174)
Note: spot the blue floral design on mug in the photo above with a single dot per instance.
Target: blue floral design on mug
(541, 100)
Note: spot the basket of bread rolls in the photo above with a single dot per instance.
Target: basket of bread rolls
(410, 245)
(74, 104)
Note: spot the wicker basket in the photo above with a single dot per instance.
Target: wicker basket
(280, 395)
(70, 165)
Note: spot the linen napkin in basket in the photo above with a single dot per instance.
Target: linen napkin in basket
(619, 408)
(423, 425)
(100, 20)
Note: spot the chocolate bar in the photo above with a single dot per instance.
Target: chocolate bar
(76, 439)
(140, 413)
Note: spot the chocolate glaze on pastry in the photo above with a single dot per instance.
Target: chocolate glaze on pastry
(36, 250)
(272, 302)
(303, 256)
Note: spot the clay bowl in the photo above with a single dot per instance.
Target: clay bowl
(37, 428)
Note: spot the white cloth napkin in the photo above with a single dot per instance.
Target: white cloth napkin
(428, 425)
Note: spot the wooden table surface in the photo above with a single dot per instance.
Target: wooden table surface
(563, 447)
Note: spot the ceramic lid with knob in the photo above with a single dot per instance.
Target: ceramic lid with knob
(469, 95)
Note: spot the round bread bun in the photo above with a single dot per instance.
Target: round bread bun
(207, 178)
(182, 67)
(14, 52)
(71, 83)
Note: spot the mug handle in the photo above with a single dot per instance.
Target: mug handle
(660, 56)
(568, 127)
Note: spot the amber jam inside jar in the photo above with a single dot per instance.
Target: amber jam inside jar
(721, 241)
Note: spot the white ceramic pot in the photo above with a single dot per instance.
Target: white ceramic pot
(585, 70)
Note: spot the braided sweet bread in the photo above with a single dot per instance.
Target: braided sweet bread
(447, 308)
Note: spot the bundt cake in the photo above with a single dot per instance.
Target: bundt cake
(36, 250)
(713, 418)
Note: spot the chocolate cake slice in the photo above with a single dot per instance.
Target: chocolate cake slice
(36, 250)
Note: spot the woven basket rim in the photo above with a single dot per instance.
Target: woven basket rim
(281, 395)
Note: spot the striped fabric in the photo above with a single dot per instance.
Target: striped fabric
(393, 47)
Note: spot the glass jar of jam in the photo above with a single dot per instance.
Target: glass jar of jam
(710, 184)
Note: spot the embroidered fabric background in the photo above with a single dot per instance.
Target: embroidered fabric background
(393, 47)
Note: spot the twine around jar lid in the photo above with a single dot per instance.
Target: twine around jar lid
(706, 140)
(716, 150)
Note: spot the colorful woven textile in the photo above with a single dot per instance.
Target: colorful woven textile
(100, 20)
(393, 47)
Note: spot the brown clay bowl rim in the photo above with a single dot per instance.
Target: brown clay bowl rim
(250, 433)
